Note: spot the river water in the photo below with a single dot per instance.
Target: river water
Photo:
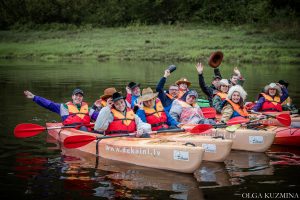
(39, 168)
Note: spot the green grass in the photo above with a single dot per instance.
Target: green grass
(243, 44)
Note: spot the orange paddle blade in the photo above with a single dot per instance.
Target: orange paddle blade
(77, 141)
(28, 130)
(201, 128)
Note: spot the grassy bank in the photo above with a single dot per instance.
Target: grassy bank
(161, 42)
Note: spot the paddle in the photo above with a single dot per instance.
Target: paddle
(284, 119)
(209, 112)
(201, 128)
(82, 140)
(29, 130)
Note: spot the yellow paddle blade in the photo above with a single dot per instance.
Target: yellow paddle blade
(233, 128)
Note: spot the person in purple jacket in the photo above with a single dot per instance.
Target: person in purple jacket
(72, 113)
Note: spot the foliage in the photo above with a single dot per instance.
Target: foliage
(124, 12)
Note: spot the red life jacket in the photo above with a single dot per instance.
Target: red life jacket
(222, 95)
(156, 117)
(271, 104)
(121, 123)
(237, 108)
(77, 116)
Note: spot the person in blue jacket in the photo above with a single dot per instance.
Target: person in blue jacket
(72, 113)
(168, 97)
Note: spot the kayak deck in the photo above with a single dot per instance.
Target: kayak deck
(147, 152)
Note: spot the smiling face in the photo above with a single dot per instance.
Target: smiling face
(224, 88)
(234, 79)
(173, 91)
(190, 99)
(120, 105)
(149, 103)
(272, 91)
(77, 98)
(236, 97)
(136, 91)
(183, 86)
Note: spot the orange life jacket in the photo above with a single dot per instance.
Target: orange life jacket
(222, 95)
(181, 93)
(170, 96)
(271, 104)
(121, 123)
(77, 116)
(238, 111)
(156, 116)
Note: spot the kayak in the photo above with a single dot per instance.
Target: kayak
(147, 152)
(286, 136)
(215, 149)
(295, 118)
(243, 139)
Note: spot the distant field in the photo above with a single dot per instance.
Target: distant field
(243, 44)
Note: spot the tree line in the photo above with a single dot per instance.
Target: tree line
(124, 12)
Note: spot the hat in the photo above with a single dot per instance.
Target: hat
(239, 89)
(183, 80)
(108, 92)
(215, 59)
(192, 93)
(224, 82)
(77, 91)
(217, 77)
(132, 85)
(147, 94)
(283, 82)
(117, 96)
(272, 86)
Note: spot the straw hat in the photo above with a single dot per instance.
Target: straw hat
(147, 94)
(239, 89)
(108, 92)
(273, 86)
(215, 59)
(183, 80)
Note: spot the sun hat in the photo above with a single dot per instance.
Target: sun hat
(273, 86)
(183, 80)
(77, 91)
(239, 89)
(215, 59)
(108, 92)
(147, 94)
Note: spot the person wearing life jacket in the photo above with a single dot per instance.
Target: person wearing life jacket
(271, 99)
(167, 97)
(186, 111)
(233, 105)
(72, 113)
(102, 102)
(288, 103)
(117, 118)
(133, 92)
(221, 95)
(152, 111)
(211, 90)
(183, 86)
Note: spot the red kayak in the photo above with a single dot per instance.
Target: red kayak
(287, 136)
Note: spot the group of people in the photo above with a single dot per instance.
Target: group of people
(142, 111)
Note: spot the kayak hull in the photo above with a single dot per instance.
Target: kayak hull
(287, 136)
(215, 149)
(244, 139)
(147, 152)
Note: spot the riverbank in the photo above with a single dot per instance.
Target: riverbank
(242, 44)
